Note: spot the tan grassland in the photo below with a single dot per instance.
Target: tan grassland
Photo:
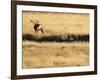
(37, 55)
(55, 54)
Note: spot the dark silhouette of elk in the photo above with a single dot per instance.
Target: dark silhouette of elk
(37, 26)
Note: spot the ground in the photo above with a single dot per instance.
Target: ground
(39, 55)
(38, 52)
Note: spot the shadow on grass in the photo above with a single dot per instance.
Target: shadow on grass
(57, 38)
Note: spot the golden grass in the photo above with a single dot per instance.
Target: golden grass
(39, 55)
(55, 54)
(56, 23)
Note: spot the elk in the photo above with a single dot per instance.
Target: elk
(37, 26)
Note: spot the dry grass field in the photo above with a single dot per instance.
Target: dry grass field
(37, 55)
(40, 54)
